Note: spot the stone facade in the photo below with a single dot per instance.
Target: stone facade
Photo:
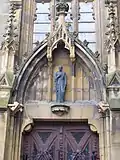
(27, 91)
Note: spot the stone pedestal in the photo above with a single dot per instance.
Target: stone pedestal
(60, 109)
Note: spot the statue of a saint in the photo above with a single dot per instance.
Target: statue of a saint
(60, 84)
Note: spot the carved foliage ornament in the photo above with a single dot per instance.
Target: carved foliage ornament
(61, 33)
(112, 33)
(62, 7)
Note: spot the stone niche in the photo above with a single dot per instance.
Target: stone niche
(84, 87)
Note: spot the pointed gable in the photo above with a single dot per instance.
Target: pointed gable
(114, 79)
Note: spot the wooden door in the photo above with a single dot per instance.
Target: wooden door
(60, 141)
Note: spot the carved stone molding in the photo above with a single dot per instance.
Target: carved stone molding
(28, 127)
(27, 124)
(15, 107)
(103, 107)
(11, 34)
(112, 26)
(93, 128)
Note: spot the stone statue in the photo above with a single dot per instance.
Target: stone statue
(60, 84)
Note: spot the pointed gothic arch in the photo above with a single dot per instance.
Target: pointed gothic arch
(39, 58)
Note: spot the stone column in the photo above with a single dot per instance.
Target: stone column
(52, 15)
(14, 122)
(105, 152)
(75, 14)
(114, 101)
(27, 25)
(108, 144)
(73, 81)
(3, 128)
(118, 13)
(102, 139)
(101, 22)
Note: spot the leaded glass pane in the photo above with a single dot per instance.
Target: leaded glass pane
(42, 23)
(44, 136)
(86, 17)
(91, 37)
(86, 24)
(42, 17)
(38, 37)
(41, 27)
(42, 8)
(69, 153)
(86, 7)
(77, 136)
(86, 27)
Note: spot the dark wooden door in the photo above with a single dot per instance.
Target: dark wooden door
(60, 141)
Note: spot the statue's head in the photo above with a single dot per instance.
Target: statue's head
(60, 68)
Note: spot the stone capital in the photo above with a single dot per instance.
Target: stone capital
(15, 107)
(103, 106)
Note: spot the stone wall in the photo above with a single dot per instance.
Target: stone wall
(115, 135)
(3, 121)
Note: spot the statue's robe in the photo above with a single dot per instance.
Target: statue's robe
(60, 85)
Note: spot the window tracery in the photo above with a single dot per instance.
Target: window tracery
(42, 22)
(85, 22)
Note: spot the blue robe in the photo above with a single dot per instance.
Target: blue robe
(60, 85)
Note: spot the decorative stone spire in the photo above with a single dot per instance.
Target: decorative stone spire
(10, 29)
(113, 45)
(112, 37)
(112, 25)
(61, 33)
(10, 44)
(62, 8)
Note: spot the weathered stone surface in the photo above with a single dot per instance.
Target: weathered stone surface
(3, 122)
(87, 83)
(4, 12)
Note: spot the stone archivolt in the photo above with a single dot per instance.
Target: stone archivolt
(84, 73)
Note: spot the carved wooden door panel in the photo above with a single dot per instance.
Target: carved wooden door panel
(60, 142)
(80, 143)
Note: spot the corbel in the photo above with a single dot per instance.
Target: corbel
(15, 107)
(103, 107)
